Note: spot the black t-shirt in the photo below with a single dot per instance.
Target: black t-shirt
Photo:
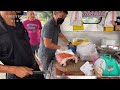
(15, 49)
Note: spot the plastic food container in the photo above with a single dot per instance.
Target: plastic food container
(108, 29)
(78, 41)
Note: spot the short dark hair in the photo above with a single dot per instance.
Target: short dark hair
(65, 12)
(55, 12)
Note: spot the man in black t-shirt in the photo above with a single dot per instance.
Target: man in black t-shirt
(15, 50)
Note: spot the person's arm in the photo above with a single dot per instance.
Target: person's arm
(48, 33)
(118, 27)
(115, 25)
(40, 27)
(64, 39)
(40, 30)
(19, 71)
(48, 44)
(24, 24)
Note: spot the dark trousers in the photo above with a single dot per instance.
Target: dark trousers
(46, 60)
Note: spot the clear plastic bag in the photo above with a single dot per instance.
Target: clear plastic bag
(87, 51)
(66, 51)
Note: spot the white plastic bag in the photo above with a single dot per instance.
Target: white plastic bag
(87, 51)
(100, 63)
(69, 51)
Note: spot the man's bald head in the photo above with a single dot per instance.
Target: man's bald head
(8, 14)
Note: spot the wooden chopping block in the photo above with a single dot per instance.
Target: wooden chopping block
(70, 69)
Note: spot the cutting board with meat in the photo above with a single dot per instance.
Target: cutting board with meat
(64, 58)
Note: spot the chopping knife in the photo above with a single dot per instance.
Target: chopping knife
(40, 72)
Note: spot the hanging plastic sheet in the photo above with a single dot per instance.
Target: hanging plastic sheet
(108, 21)
(76, 20)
